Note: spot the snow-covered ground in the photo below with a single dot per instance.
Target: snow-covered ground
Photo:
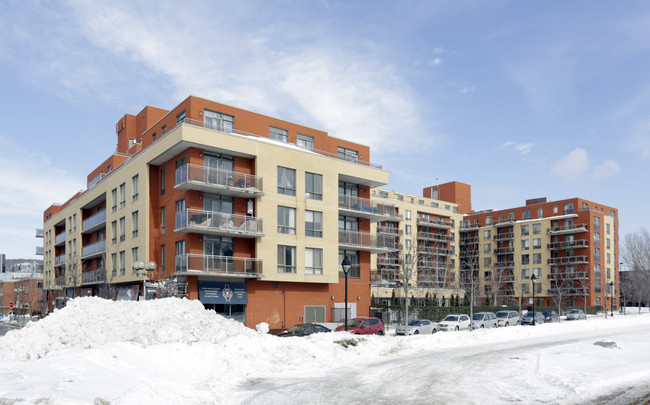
(172, 351)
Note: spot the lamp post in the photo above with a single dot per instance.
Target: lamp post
(612, 291)
(143, 269)
(345, 264)
(532, 280)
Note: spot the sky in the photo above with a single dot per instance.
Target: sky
(518, 99)
(173, 351)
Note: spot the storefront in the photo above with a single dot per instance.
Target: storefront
(225, 298)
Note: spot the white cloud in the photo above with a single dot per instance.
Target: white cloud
(608, 168)
(435, 62)
(573, 165)
(521, 148)
(468, 89)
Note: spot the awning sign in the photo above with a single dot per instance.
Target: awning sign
(212, 292)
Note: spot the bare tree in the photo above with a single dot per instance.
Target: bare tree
(469, 271)
(636, 256)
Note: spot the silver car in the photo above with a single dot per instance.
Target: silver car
(415, 327)
(454, 322)
(482, 320)
(576, 314)
(508, 318)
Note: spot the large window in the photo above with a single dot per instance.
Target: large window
(305, 142)
(487, 234)
(122, 263)
(286, 181)
(134, 223)
(114, 232)
(314, 223)
(279, 134)
(135, 181)
(122, 195)
(114, 199)
(348, 154)
(122, 229)
(286, 220)
(537, 243)
(355, 268)
(525, 244)
(313, 261)
(313, 186)
(286, 259)
(114, 266)
(537, 229)
(525, 230)
(134, 258)
(220, 122)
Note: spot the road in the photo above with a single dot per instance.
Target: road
(5, 327)
(519, 371)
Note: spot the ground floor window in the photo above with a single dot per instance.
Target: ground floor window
(231, 311)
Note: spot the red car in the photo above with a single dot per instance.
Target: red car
(364, 325)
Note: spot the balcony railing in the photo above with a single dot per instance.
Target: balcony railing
(209, 179)
(559, 261)
(435, 236)
(388, 261)
(94, 222)
(59, 281)
(504, 250)
(570, 244)
(435, 251)
(469, 241)
(218, 223)
(39, 250)
(575, 228)
(189, 264)
(388, 278)
(435, 223)
(59, 260)
(367, 242)
(39, 232)
(504, 235)
(93, 277)
(388, 230)
(568, 276)
(366, 208)
(94, 249)
(432, 265)
(59, 238)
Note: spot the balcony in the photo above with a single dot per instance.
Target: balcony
(387, 278)
(39, 250)
(561, 261)
(59, 260)
(435, 223)
(389, 230)
(567, 229)
(433, 265)
(437, 237)
(366, 208)
(506, 222)
(209, 265)
(571, 244)
(382, 260)
(568, 276)
(504, 236)
(435, 251)
(218, 223)
(39, 232)
(93, 277)
(94, 222)
(59, 239)
(93, 250)
(367, 242)
(504, 250)
(224, 182)
(469, 241)
(59, 281)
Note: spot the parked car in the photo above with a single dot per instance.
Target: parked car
(551, 316)
(527, 319)
(415, 327)
(507, 318)
(304, 329)
(364, 326)
(576, 314)
(482, 320)
(454, 322)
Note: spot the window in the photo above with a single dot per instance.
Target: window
(286, 259)
(537, 272)
(540, 212)
(525, 259)
(537, 229)
(607, 229)
(278, 134)
(220, 122)
(608, 258)
(180, 163)
(487, 275)
(286, 181)
(355, 268)
(526, 214)
(408, 229)
(537, 258)
(596, 224)
(305, 142)
(163, 221)
(114, 199)
(408, 244)
(286, 220)
(348, 154)
(488, 220)
(163, 130)
(597, 254)
(74, 222)
(596, 239)
(134, 258)
(180, 118)
(313, 261)
(555, 209)
(568, 208)
(162, 259)
(525, 230)
(180, 205)
(122, 195)
(114, 261)
(122, 263)
(537, 243)
(525, 273)
(153, 137)
(597, 270)
(486, 248)
(538, 288)
(136, 187)
(313, 186)
(114, 232)
(487, 234)
(511, 216)
(122, 229)
(314, 223)
(525, 244)
(134, 223)
(607, 243)
(163, 180)
(487, 261)
(408, 215)
(180, 259)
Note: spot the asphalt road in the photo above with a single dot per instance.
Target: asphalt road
(5, 327)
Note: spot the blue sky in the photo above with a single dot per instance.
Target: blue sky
(519, 99)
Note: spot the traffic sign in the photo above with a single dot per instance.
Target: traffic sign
(11, 305)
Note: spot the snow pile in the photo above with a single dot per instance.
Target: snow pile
(92, 322)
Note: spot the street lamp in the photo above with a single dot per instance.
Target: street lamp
(532, 280)
(143, 269)
(612, 291)
(346, 268)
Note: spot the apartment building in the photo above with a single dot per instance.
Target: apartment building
(252, 215)
(565, 250)
(427, 231)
